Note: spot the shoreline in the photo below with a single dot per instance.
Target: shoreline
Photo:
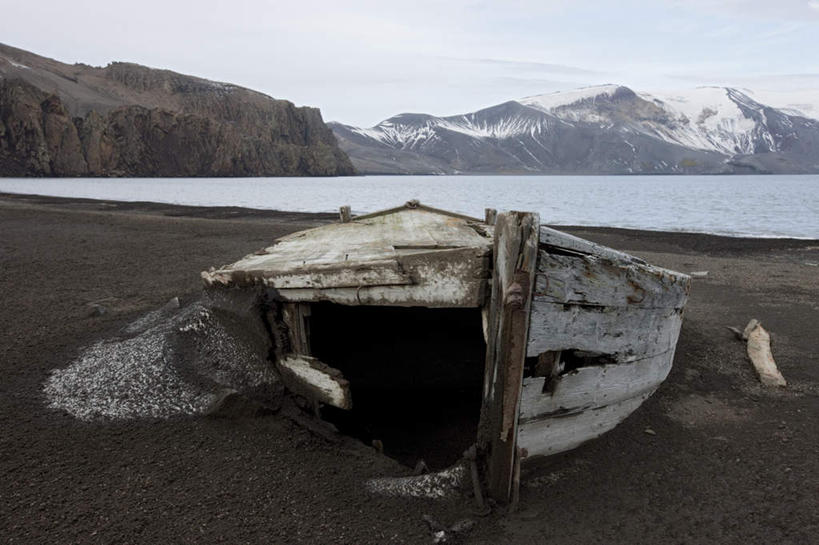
(240, 212)
(717, 437)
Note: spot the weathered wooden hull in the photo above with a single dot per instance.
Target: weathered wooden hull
(577, 335)
(606, 324)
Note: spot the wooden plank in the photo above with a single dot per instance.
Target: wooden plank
(315, 380)
(558, 434)
(515, 261)
(361, 252)
(626, 331)
(439, 278)
(592, 387)
(352, 274)
(552, 238)
(593, 280)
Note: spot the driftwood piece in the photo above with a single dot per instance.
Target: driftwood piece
(344, 214)
(758, 346)
(515, 255)
(759, 351)
(491, 215)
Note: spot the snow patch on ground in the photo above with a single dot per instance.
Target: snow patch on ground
(16, 64)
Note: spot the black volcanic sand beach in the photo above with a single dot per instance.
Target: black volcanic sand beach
(712, 457)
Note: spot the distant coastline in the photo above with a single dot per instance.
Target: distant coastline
(777, 206)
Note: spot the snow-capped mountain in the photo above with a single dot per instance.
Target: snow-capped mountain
(602, 129)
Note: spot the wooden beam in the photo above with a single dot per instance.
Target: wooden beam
(344, 214)
(515, 265)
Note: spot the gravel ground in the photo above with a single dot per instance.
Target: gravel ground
(726, 461)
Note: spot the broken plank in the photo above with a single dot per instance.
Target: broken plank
(592, 387)
(315, 380)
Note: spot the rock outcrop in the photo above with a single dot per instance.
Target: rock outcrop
(129, 120)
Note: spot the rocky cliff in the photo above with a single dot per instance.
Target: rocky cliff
(129, 120)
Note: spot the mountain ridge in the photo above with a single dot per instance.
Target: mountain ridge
(126, 119)
(607, 129)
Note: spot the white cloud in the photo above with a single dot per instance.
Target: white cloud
(364, 60)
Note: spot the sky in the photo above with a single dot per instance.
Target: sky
(364, 61)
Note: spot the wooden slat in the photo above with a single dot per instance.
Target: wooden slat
(553, 435)
(515, 261)
(373, 273)
(558, 239)
(315, 380)
(439, 278)
(592, 280)
(592, 387)
(627, 331)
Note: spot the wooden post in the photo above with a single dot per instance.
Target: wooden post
(491, 215)
(294, 316)
(515, 265)
(344, 214)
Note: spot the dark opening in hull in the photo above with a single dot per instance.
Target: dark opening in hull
(415, 376)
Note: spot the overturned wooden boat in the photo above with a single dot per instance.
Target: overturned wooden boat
(576, 335)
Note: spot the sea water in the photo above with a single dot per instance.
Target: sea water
(736, 205)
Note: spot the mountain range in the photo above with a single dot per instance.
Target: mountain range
(608, 129)
(125, 119)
